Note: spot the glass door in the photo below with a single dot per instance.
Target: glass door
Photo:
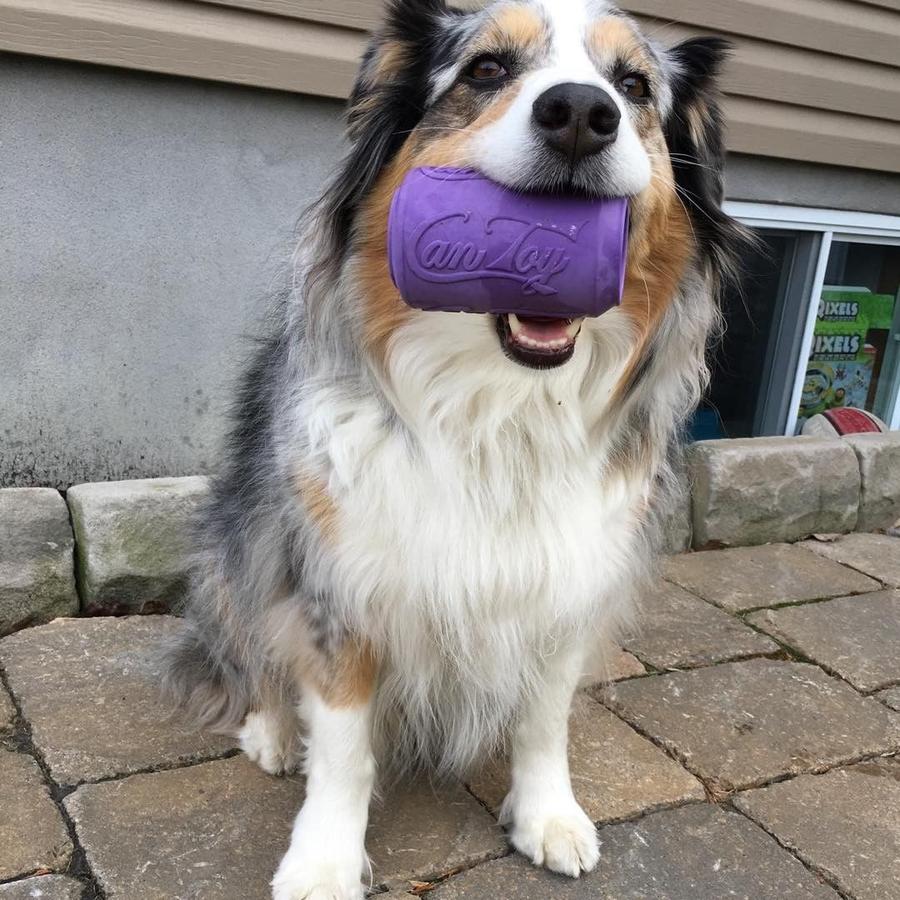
(754, 364)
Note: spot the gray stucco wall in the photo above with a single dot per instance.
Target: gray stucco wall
(142, 219)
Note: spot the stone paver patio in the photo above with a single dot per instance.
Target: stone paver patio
(747, 747)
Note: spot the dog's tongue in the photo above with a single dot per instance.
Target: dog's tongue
(543, 328)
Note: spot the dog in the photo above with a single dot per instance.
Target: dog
(426, 522)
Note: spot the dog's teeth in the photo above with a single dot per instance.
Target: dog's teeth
(574, 327)
(518, 331)
(526, 341)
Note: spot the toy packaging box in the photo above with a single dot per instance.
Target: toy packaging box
(847, 352)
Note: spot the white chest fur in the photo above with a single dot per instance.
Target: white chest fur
(478, 527)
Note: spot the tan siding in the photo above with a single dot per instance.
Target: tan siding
(799, 77)
(792, 132)
(185, 38)
(351, 13)
(841, 27)
(814, 80)
(887, 4)
(838, 26)
(817, 80)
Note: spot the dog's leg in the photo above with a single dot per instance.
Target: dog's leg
(327, 857)
(271, 738)
(546, 823)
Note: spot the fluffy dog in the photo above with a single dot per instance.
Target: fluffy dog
(426, 522)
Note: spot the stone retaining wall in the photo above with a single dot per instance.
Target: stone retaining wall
(760, 490)
(122, 547)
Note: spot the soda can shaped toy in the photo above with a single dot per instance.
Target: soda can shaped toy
(459, 242)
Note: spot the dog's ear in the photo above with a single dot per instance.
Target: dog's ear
(388, 100)
(695, 135)
(397, 59)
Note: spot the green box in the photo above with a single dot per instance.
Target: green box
(846, 349)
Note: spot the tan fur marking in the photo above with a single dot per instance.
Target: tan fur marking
(696, 124)
(350, 679)
(391, 59)
(659, 251)
(660, 247)
(385, 310)
(513, 26)
(343, 680)
(313, 495)
(614, 38)
(366, 104)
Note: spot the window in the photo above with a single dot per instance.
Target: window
(754, 364)
(814, 325)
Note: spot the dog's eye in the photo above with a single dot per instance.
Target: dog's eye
(486, 68)
(635, 86)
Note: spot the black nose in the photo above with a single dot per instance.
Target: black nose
(577, 119)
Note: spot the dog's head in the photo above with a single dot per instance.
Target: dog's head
(563, 96)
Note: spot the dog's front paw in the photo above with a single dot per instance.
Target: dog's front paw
(270, 741)
(562, 839)
(299, 880)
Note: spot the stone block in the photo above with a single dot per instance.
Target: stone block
(132, 542)
(418, 832)
(699, 852)
(33, 835)
(674, 514)
(611, 663)
(7, 712)
(845, 824)
(675, 527)
(857, 638)
(45, 887)
(877, 555)
(616, 773)
(37, 575)
(216, 831)
(879, 465)
(742, 724)
(761, 490)
(679, 631)
(744, 578)
(90, 690)
(624, 665)
(891, 698)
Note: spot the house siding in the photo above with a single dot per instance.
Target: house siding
(812, 80)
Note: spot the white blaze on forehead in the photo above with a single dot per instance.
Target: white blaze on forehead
(570, 21)
(570, 24)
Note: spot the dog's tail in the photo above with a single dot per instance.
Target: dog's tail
(203, 682)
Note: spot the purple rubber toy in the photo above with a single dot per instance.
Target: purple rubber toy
(458, 242)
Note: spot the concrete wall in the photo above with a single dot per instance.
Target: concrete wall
(142, 219)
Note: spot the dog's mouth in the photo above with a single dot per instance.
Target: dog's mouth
(540, 342)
